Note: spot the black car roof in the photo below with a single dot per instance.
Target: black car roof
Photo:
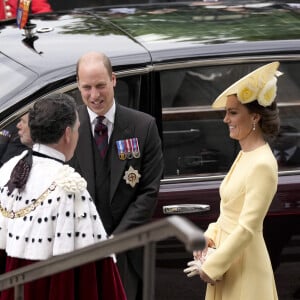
(61, 38)
(139, 35)
(168, 32)
(206, 29)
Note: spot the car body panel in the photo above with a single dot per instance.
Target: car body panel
(53, 51)
(57, 44)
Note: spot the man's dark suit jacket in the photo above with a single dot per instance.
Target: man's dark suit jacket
(131, 206)
(10, 144)
(293, 160)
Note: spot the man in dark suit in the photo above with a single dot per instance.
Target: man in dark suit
(124, 176)
(286, 148)
(15, 139)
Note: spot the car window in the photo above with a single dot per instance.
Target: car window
(16, 77)
(196, 141)
(126, 93)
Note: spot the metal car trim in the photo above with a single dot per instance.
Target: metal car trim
(137, 71)
(189, 179)
(208, 109)
(44, 29)
(223, 61)
(216, 177)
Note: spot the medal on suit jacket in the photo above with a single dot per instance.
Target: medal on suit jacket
(121, 149)
(132, 176)
(128, 148)
(135, 148)
(5, 133)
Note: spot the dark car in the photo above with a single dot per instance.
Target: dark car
(172, 60)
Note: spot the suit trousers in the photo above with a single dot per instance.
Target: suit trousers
(132, 282)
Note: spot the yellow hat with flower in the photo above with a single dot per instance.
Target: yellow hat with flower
(260, 85)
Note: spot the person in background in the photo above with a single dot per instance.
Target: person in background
(24, 131)
(286, 148)
(46, 210)
(239, 267)
(8, 8)
(119, 153)
(15, 139)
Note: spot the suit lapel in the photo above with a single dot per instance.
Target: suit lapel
(122, 130)
(85, 150)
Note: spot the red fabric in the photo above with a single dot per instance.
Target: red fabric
(82, 283)
(2, 11)
(40, 6)
(37, 6)
(112, 287)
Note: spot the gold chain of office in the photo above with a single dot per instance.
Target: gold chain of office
(11, 214)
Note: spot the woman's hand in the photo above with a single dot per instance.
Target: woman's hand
(199, 255)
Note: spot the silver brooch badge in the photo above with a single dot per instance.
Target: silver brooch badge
(132, 176)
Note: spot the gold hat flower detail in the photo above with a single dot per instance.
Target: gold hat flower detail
(268, 92)
(247, 92)
(260, 85)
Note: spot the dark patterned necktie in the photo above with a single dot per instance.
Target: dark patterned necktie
(101, 136)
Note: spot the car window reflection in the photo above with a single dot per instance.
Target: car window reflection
(286, 147)
(16, 76)
(196, 141)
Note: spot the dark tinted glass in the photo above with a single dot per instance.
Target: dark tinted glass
(195, 138)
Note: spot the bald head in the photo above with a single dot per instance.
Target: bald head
(94, 58)
(96, 82)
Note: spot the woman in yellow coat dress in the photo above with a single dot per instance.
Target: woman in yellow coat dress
(240, 267)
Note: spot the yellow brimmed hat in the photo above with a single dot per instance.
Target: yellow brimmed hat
(260, 85)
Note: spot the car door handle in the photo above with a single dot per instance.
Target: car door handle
(185, 208)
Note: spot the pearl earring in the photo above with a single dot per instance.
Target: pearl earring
(253, 127)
